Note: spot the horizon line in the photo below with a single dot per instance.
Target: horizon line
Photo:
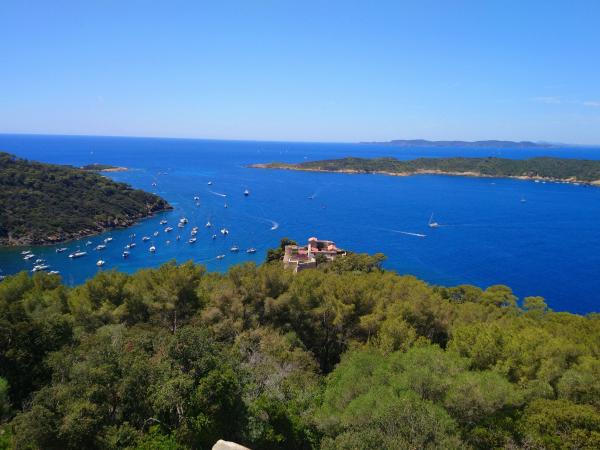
(299, 141)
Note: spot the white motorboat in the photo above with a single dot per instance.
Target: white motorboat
(100, 262)
(77, 254)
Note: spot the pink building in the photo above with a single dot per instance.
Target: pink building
(300, 258)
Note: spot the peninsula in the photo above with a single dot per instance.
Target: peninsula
(464, 144)
(47, 203)
(95, 167)
(542, 168)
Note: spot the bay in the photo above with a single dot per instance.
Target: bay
(548, 245)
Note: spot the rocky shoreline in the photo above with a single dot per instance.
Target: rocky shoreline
(101, 227)
(571, 180)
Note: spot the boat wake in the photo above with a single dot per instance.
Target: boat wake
(408, 233)
(216, 193)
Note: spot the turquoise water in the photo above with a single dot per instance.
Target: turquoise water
(548, 245)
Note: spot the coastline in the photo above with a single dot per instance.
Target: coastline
(571, 180)
(59, 238)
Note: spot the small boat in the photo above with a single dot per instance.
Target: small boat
(62, 249)
(432, 223)
(224, 231)
(154, 183)
(209, 183)
(181, 224)
(128, 246)
(208, 224)
(125, 254)
(168, 229)
(25, 252)
(214, 236)
(196, 198)
(88, 243)
(77, 254)
(152, 249)
(100, 247)
(220, 256)
(39, 261)
(155, 233)
(100, 263)
(132, 245)
(234, 249)
(145, 238)
(251, 250)
(225, 206)
(523, 200)
(246, 193)
(164, 221)
(107, 240)
(195, 228)
(132, 236)
(28, 256)
(168, 242)
(194, 233)
(183, 220)
(54, 272)
(40, 267)
(191, 240)
(178, 237)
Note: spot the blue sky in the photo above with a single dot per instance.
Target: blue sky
(322, 71)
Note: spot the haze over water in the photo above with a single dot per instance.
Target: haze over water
(548, 245)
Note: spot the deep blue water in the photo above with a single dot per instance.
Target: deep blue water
(548, 245)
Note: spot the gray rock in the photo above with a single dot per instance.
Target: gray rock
(226, 445)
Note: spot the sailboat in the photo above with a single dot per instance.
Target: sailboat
(432, 223)
(246, 193)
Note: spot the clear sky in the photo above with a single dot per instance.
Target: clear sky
(303, 70)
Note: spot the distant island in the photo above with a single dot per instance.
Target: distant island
(47, 203)
(464, 144)
(103, 168)
(542, 168)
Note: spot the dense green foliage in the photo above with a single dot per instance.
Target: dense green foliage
(42, 203)
(98, 167)
(346, 356)
(581, 170)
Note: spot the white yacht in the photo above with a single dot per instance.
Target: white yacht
(152, 249)
(220, 256)
(125, 254)
(191, 240)
(77, 254)
(100, 262)
(28, 256)
(39, 267)
(164, 221)
(62, 249)
(246, 193)
(155, 233)
(234, 249)
(168, 229)
(100, 247)
(145, 238)
(208, 224)
(209, 183)
(224, 231)
(432, 223)
(107, 240)
(251, 250)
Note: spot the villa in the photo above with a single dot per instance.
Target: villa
(305, 257)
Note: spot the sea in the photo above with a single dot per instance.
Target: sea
(540, 239)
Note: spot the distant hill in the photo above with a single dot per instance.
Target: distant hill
(47, 203)
(464, 144)
(544, 168)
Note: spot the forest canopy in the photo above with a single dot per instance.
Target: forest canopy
(346, 356)
(48, 203)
